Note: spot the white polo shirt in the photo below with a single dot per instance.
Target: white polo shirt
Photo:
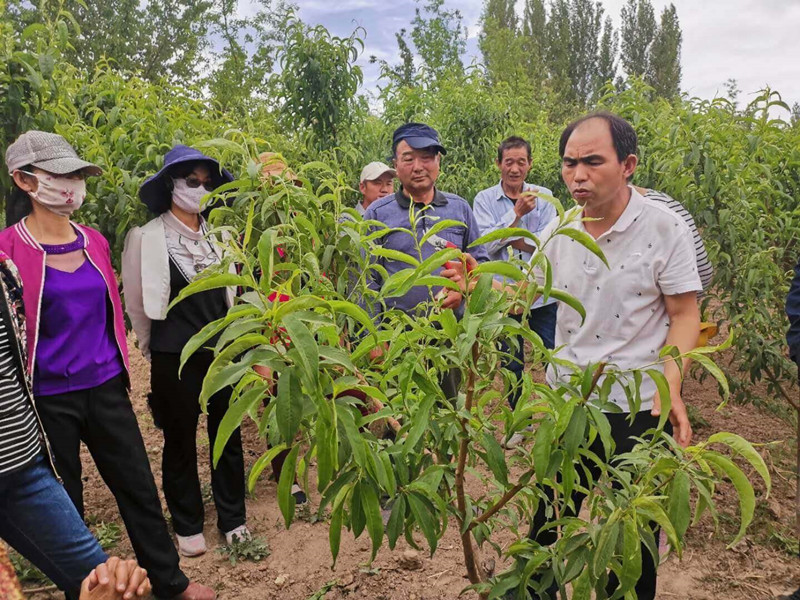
(650, 254)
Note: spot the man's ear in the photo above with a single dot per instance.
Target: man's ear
(629, 165)
(362, 187)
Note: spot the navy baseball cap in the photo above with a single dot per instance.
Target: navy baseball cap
(418, 136)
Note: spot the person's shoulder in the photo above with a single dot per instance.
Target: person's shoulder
(456, 201)
(380, 209)
(663, 218)
(490, 193)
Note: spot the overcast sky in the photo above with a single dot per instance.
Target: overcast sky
(756, 42)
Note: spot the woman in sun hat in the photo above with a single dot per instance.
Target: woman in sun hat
(77, 352)
(159, 260)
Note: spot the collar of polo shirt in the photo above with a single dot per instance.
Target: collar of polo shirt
(439, 199)
(628, 216)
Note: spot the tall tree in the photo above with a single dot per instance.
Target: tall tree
(439, 38)
(607, 57)
(637, 32)
(586, 18)
(497, 40)
(534, 39)
(559, 40)
(664, 72)
(403, 73)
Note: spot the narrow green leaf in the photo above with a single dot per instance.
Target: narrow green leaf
(286, 501)
(372, 511)
(747, 497)
(289, 404)
(495, 457)
(233, 418)
(679, 510)
(261, 464)
(307, 351)
(742, 447)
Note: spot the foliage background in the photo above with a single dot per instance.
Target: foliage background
(279, 84)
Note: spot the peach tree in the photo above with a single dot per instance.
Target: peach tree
(304, 313)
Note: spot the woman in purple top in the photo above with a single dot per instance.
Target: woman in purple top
(77, 351)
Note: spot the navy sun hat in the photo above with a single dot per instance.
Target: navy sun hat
(157, 194)
(418, 136)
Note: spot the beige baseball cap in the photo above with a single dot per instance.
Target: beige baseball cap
(47, 151)
(374, 170)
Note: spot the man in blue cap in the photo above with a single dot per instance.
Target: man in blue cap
(417, 154)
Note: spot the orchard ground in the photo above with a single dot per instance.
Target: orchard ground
(761, 566)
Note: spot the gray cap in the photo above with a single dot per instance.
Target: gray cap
(374, 170)
(47, 151)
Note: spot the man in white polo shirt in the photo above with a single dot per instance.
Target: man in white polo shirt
(377, 181)
(645, 299)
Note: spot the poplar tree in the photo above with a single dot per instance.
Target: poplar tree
(664, 73)
(607, 57)
(637, 32)
(499, 42)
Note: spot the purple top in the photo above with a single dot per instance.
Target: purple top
(76, 348)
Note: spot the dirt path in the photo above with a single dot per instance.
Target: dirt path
(300, 564)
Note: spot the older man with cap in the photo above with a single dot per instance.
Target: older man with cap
(377, 181)
(417, 154)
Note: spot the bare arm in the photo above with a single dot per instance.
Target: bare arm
(684, 329)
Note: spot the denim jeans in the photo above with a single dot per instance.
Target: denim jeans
(541, 320)
(39, 521)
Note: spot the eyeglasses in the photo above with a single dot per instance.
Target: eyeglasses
(194, 182)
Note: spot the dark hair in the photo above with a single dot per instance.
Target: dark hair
(19, 204)
(512, 142)
(623, 135)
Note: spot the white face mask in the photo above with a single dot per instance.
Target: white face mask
(187, 198)
(60, 195)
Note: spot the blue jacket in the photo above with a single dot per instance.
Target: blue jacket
(793, 312)
(393, 211)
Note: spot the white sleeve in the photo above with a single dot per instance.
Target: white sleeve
(132, 289)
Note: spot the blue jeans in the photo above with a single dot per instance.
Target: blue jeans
(39, 521)
(541, 320)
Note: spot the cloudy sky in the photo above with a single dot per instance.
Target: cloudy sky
(754, 41)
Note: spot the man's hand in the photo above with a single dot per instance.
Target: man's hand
(523, 246)
(525, 204)
(116, 579)
(681, 427)
(452, 299)
(454, 270)
(378, 351)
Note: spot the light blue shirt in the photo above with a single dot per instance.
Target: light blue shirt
(494, 210)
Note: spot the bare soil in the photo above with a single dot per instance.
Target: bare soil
(299, 566)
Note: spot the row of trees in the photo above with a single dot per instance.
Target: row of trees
(572, 46)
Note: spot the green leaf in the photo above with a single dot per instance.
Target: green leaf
(747, 497)
(353, 311)
(585, 240)
(495, 457)
(395, 255)
(213, 328)
(289, 404)
(286, 501)
(419, 423)
(306, 346)
(233, 418)
(211, 282)
(742, 447)
(504, 233)
(606, 543)
(261, 464)
(570, 301)
(503, 268)
(542, 448)
(396, 520)
(679, 510)
(421, 510)
(631, 570)
(372, 510)
(441, 226)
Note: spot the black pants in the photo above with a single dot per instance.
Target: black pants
(102, 417)
(542, 321)
(623, 432)
(176, 409)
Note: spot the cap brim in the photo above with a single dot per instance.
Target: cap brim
(62, 166)
(420, 142)
(374, 176)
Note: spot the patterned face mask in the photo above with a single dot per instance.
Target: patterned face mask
(60, 195)
(186, 197)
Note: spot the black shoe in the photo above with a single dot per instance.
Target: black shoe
(794, 596)
(299, 495)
